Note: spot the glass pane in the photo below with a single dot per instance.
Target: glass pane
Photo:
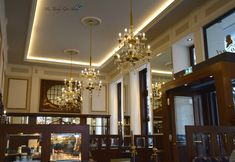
(23, 147)
(65, 146)
(150, 142)
(183, 116)
(221, 36)
(233, 91)
(161, 72)
(18, 120)
(202, 145)
(140, 142)
(53, 93)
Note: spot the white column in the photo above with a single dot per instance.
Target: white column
(122, 105)
(135, 102)
(113, 108)
(180, 51)
(35, 92)
(149, 89)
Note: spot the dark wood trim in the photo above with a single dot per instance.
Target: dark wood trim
(227, 57)
(57, 115)
(119, 99)
(143, 101)
(191, 54)
(45, 131)
(214, 145)
(218, 69)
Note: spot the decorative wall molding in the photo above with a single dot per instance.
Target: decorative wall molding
(17, 90)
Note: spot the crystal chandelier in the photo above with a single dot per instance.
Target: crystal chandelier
(132, 48)
(71, 96)
(157, 94)
(90, 76)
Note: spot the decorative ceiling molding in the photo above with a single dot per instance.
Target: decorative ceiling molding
(34, 21)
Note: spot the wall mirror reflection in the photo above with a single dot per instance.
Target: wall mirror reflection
(50, 91)
(233, 92)
(220, 34)
(23, 147)
(66, 146)
(161, 71)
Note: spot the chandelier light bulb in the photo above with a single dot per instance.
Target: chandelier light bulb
(133, 50)
(90, 76)
(70, 98)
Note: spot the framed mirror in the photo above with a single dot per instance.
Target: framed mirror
(50, 90)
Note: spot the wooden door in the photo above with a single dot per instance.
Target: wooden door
(182, 114)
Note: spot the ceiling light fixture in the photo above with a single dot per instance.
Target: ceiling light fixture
(71, 97)
(189, 39)
(36, 20)
(90, 76)
(132, 48)
(161, 72)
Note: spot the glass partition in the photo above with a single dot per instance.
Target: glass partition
(183, 116)
(57, 120)
(66, 146)
(23, 147)
(161, 66)
(98, 126)
(17, 120)
(220, 35)
(233, 92)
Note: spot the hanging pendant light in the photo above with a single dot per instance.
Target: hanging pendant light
(71, 96)
(132, 48)
(90, 76)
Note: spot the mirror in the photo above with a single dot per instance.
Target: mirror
(233, 91)
(23, 147)
(66, 147)
(161, 66)
(50, 90)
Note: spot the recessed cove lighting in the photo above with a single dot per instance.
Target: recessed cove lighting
(36, 20)
(162, 72)
(189, 39)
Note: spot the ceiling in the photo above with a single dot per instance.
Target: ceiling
(42, 36)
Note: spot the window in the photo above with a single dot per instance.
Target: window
(192, 54)
(219, 35)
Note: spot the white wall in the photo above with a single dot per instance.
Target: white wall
(215, 39)
(183, 113)
(135, 103)
(113, 105)
(135, 117)
(180, 57)
(191, 24)
(34, 74)
(3, 45)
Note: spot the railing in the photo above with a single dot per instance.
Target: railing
(107, 147)
(209, 142)
(45, 119)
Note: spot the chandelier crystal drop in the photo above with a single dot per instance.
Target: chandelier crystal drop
(90, 76)
(71, 95)
(132, 48)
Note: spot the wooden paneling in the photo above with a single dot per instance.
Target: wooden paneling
(45, 131)
(218, 69)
